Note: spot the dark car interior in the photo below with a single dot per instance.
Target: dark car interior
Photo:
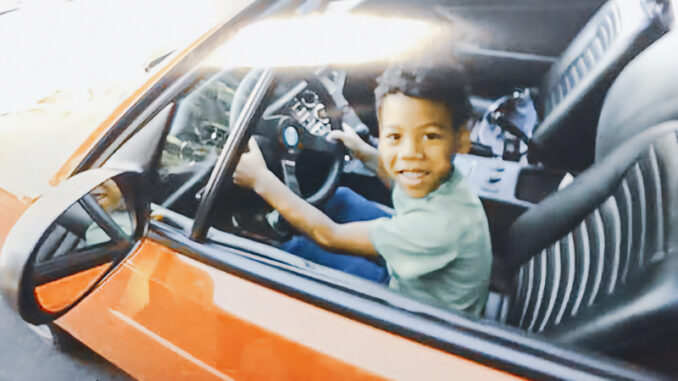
(580, 188)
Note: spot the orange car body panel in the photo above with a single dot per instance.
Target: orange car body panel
(161, 315)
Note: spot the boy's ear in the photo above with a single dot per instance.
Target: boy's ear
(463, 141)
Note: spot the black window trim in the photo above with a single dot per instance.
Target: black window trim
(252, 111)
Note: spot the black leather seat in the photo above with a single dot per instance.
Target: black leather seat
(572, 92)
(596, 264)
(644, 94)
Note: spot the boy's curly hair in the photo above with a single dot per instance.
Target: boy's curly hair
(446, 84)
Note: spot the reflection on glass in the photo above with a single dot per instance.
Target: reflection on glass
(81, 246)
(199, 129)
(100, 217)
(370, 38)
(108, 196)
(201, 123)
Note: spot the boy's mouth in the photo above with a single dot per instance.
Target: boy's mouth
(412, 177)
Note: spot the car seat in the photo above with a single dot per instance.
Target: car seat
(572, 92)
(644, 94)
(596, 264)
(647, 189)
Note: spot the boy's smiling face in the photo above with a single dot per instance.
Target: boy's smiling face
(417, 142)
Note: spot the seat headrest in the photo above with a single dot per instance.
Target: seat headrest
(644, 94)
(562, 211)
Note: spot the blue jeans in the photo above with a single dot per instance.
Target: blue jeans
(344, 206)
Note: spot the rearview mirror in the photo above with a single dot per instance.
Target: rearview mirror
(69, 240)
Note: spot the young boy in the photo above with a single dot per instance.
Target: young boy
(437, 245)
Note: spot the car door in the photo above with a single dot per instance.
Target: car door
(196, 320)
(162, 306)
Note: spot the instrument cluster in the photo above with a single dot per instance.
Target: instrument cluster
(307, 109)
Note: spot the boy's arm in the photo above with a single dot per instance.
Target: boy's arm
(350, 238)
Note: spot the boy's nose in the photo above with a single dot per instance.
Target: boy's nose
(411, 149)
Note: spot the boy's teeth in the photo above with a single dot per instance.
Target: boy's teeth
(412, 174)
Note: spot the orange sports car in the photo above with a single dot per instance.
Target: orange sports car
(142, 248)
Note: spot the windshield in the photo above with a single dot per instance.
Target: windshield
(98, 54)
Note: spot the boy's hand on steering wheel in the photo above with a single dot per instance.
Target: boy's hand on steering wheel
(358, 147)
(350, 139)
(251, 169)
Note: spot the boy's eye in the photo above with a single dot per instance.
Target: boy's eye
(432, 136)
(393, 137)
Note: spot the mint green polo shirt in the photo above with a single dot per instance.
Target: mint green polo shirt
(437, 248)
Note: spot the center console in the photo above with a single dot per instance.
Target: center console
(506, 189)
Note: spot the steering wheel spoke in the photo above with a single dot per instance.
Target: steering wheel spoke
(289, 169)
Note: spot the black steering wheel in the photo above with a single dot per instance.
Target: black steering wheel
(294, 123)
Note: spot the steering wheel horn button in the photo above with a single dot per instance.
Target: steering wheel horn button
(290, 136)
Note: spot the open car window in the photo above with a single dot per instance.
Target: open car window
(197, 133)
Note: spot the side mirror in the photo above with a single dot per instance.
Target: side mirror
(70, 239)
